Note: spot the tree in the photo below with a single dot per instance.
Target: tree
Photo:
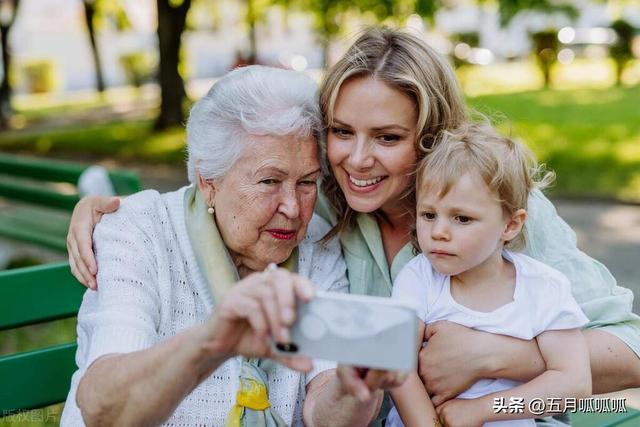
(8, 11)
(545, 42)
(546, 49)
(172, 16)
(95, 13)
(329, 16)
(89, 13)
(621, 50)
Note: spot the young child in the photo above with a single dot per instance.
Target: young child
(472, 191)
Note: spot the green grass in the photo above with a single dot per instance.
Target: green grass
(591, 138)
(121, 140)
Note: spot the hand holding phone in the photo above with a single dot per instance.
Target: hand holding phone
(358, 330)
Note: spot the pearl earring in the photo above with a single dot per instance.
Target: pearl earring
(211, 210)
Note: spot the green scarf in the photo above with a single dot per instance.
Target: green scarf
(252, 406)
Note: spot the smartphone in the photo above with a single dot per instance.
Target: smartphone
(357, 330)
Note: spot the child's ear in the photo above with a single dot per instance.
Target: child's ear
(514, 225)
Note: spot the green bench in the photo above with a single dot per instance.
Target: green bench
(29, 296)
(45, 192)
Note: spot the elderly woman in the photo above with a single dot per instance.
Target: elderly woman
(159, 341)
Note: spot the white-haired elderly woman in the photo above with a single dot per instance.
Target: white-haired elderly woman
(179, 331)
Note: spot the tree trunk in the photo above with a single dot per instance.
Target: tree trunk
(171, 24)
(89, 12)
(251, 22)
(6, 111)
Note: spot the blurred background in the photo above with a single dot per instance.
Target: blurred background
(110, 83)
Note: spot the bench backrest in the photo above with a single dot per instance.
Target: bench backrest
(39, 170)
(29, 296)
(50, 190)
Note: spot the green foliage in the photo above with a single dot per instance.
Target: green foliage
(39, 75)
(427, 8)
(510, 8)
(111, 12)
(138, 67)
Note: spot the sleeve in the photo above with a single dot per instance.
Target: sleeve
(557, 307)
(411, 287)
(123, 314)
(606, 305)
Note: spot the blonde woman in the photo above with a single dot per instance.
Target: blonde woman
(386, 99)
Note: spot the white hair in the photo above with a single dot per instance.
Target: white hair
(248, 101)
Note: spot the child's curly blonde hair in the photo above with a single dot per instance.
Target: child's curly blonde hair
(506, 166)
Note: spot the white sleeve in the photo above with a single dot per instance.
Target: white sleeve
(411, 286)
(123, 314)
(559, 309)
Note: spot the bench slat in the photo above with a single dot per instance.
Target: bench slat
(124, 182)
(39, 195)
(41, 169)
(37, 378)
(51, 291)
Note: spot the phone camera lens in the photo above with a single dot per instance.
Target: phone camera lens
(287, 347)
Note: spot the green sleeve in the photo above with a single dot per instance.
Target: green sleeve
(607, 305)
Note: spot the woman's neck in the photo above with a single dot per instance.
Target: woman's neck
(395, 231)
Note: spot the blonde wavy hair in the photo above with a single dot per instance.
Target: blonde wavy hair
(506, 166)
(408, 64)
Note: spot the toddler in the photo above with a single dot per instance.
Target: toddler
(472, 190)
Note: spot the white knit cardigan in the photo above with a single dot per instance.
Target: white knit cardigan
(150, 288)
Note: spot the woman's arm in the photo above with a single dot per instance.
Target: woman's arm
(614, 366)
(144, 387)
(347, 396)
(447, 372)
(329, 404)
(86, 215)
(567, 375)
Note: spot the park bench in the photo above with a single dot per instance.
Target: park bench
(42, 194)
(29, 296)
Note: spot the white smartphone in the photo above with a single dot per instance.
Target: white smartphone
(358, 330)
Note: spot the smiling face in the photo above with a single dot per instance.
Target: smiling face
(463, 229)
(265, 202)
(371, 144)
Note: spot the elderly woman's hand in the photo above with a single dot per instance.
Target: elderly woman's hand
(257, 308)
(453, 359)
(362, 382)
(85, 216)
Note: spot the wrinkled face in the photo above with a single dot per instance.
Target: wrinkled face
(265, 202)
(461, 230)
(371, 147)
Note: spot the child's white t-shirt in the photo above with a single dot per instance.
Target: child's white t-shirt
(542, 301)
